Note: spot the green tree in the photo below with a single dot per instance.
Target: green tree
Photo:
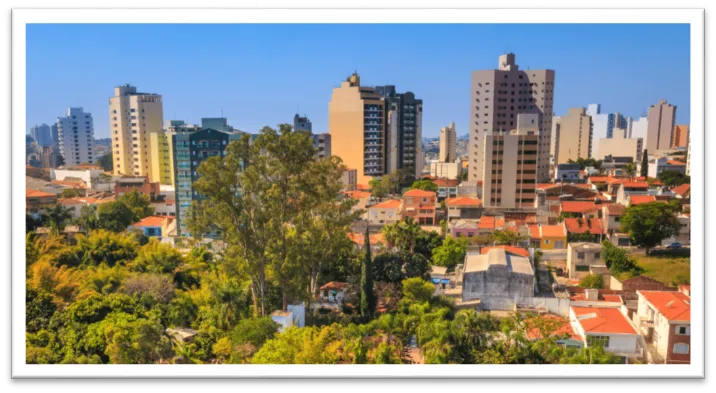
(31, 223)
(380, 186)
(673, 178)
(417, 290)
(156, 257)
(106, 162)
(592, 281)
(88, 217)
(451, 252)
(139, 204)
(618, 260)
(644, 170)
(506, 237)
(57, 217)
(650, 223)
(367, 293)
(425, 185)
(115, 216)
(630, 170)
(402, 234)
(69, 193)
(395, 267)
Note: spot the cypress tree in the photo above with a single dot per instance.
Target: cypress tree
(644, 163)
(367, 295)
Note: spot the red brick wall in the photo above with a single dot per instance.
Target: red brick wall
(677, 339)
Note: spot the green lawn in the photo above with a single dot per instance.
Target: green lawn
(669, 270)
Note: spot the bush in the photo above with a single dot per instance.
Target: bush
(594, 281)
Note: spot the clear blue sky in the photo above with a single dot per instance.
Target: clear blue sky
(261, 74)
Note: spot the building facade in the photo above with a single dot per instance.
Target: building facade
(660, 126)
(620, 146)
(302, 123)
(448, 144)
(322, 143)
(574, 136)
(42, 134)
(681, 136)
(357, 124)
(161, 157)
(496, 99)
(190, 148)
(509, 171)
(405, 131)
(75, 132)
(133, 117)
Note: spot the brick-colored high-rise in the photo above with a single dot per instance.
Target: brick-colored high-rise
(660, 126)
(681, 136)
(497, 97)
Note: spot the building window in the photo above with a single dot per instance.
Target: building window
(602, 341)
(681, 349)
(683, 330)
(580, 255)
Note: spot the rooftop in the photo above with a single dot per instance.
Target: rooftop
(152, 221)
(674, 306)
(579, 206)
(615, 209)
(37, 194)
(357, 194)
(446, 182)
(552, 231)
(334, 285)
(391, 204)
(510, 249)
(603, 320)
(564, 327)
(640, 199)
(419, 193)
(682, 190)
(463, 201)
(584, 225)
(496, 257)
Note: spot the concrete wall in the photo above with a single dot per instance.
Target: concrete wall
(553, 305)
(497, 281)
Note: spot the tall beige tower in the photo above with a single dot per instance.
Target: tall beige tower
(133, 117)
(660, 126)
(448, 147)
(357, 123)
(574, 136)
(508, 171)
(497, 97)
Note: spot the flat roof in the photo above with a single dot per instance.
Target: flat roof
(497, 257)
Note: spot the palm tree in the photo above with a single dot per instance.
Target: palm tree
(56, 217)
(630, 170)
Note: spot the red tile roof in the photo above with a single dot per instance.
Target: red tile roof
(639, 199)
(335, 285)
(534, 231)
(544, 186)
(599, 179)
(363, 187)
(463, 201)
(533, 332)
(446, 182)
(601, 298)
(552, 231)
(487, 222)
(357, 194)
(391, 204)
(603, 320)
(152, 221)
(576, 225)
(674, 162)
(578, 207)
(419, 193)
(635, 184)
(674, 306)
(615, 209)
(37, 194)
(682, 189)
(511, 249)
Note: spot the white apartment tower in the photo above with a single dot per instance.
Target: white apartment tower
(448, 147)
(497, 97)
(133, 116)
(75, 132)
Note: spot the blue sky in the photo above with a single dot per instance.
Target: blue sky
(261, 74)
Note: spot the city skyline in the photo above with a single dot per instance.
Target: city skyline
(199, 75)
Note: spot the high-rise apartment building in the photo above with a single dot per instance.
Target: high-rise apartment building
(660, 126)
(302, 123)
(75, 132)
(681, 136)
(509, 171)
(357, 123)
(603, 124)
(497, 97)
(48, 155)
(42, 134)
(55, 137)
(448, 144)
(637, 128)
(573, 139)
(192, 145)
(161, 157)
(405, 125)
(322, 143)
(133, 117)
(620, 146)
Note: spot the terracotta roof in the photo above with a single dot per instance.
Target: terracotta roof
(463, 201)
(335, 285)
(603, 320)
(363, 187)
(552, 231)
(446, 182)
(486, 222)
(419, 193)
(391, 204)
(674, 306)
(511, 249)
(544, 186)
(599, 179)
(357, 194)
(81, 200)
(359, 238)
(37, 194)
(674, 162)
(615, 209)
(592, 225)
(533, 333)
(601, 298)
(635, 184)
(534, 231)
(682, 190)
(578, 207)
(152, 221)
(639, 199)
(73, 184)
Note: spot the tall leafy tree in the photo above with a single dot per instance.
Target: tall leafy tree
(673, 178)
(57, 217)
(630, 170)
(115, 216)
(644, 170)
(426, 185)
(367, 294)
(139, 204)
(106, 162)
(649, 223)
(451, 252)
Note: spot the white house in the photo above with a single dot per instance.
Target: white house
(664, 318)
(609, 327)
(334, 292)
(383, 213)
(295, 315)
(658, 165)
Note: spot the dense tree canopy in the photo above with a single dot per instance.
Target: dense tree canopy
(649, 223)
(425, 184)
